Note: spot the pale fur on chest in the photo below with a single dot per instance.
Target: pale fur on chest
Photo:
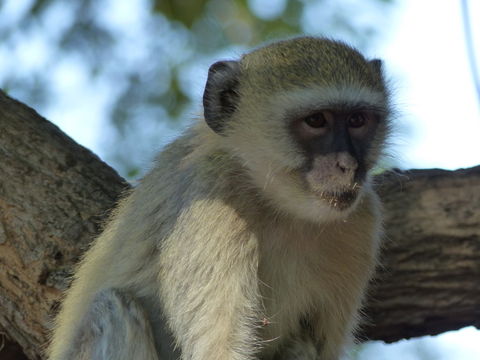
(307, 271)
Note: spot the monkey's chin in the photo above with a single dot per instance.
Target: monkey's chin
(340, 200)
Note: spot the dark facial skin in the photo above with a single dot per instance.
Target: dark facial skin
(336, 142)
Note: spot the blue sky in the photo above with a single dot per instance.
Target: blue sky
(425, 52)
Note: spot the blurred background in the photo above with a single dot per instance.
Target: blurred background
(124, 77)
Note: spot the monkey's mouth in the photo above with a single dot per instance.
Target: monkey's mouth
(340, 200)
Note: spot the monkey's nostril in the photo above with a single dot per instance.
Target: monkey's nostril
(341, 167)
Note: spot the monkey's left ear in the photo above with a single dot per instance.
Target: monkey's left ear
(376, 65)
(220, 96)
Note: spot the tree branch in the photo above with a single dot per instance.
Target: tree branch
(54, 195)
(430, 280)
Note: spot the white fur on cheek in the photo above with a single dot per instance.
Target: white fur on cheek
(287, 194)
(286, 191)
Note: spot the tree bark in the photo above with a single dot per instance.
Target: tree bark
(429, 281)
(54, 195)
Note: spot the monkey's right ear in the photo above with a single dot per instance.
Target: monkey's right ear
(220, 96)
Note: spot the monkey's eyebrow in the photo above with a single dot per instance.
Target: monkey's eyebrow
(346, 107)
(357, 106)
(323, 98)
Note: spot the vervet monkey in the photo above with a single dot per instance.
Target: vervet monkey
(255, 235)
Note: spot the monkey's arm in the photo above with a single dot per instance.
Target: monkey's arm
(209, 288)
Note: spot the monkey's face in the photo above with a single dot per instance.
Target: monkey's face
(307, 118)
(335, 143)
(311, 150)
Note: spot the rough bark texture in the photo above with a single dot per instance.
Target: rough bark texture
(430, 279)
(54, 195)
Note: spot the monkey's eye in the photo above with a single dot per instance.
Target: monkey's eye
(316, 120)
(357, 120)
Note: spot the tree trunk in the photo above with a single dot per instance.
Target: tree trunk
(54, 195)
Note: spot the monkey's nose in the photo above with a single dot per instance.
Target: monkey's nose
(346, 162)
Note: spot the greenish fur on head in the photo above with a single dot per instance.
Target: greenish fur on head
(308, 61)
